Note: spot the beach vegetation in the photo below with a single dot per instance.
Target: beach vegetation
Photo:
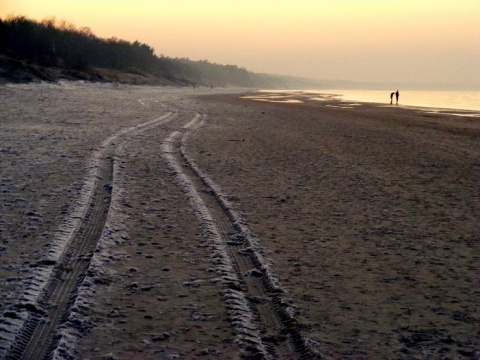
(57, 44)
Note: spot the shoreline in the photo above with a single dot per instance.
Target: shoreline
(350, 97)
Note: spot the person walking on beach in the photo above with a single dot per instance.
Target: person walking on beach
(391, 98)
(397, 94)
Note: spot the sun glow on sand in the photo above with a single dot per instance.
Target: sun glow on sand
(373, 41)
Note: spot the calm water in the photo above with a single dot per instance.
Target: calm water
(463, 100)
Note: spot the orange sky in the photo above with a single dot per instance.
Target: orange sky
(372, 40)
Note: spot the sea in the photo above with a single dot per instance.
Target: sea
(461, 100)
(433, 100)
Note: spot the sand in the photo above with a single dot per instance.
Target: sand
(360, 223)
(370, 215)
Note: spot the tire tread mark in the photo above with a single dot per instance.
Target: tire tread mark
(37, 336)
(280, 332)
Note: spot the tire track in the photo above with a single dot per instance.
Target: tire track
(33, 325)
(263, 319)
(35, 339)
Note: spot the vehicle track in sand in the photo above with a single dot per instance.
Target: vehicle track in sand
(33, 334)
(37, 335)
(263, 319)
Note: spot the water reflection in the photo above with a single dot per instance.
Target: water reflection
(457, 103)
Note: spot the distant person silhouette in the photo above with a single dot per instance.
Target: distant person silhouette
(397, 94)
(391, 98)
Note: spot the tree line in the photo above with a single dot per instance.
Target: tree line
(52, 43)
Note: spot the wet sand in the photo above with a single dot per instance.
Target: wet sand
(367, 216)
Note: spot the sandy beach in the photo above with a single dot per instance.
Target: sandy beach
(149, 222)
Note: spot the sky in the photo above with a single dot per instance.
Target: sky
(420, 41)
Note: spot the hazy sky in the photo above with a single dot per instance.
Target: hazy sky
(369, 40)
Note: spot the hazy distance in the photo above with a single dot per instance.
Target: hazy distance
(391, 42)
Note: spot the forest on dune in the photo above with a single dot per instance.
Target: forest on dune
(49, 50)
